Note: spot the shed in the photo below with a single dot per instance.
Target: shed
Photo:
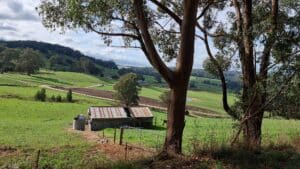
(79, 122)
(141, 116)
(107, 117)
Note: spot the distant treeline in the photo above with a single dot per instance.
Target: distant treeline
(54, 57)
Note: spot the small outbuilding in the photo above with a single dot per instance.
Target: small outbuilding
(107, 117)
(141, 116)
(111, 117)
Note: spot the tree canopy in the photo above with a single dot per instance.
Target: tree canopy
(127, 90)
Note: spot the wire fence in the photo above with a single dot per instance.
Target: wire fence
(196, 136)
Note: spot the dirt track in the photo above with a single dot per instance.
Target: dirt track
(114, 151)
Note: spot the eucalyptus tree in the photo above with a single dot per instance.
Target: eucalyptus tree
(264, 37)
(163, 30)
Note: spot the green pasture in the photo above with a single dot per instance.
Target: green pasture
(203, 99)
(207, 132)
(55, 78)
(27, 125)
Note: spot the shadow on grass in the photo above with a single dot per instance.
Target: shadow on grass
(158, 128)
(275, 157)
(279, 157)
(46, 73)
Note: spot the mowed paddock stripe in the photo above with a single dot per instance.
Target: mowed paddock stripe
(196, 113)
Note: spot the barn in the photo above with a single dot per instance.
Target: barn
(111, 117)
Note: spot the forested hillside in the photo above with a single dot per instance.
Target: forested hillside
(54, 57)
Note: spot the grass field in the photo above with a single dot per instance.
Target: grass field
(27, 125)
(208, 132)
(202, 99)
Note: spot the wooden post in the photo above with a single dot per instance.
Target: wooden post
(155, 119)
(140, 137)
(157, 147)
(36, 162)
(126, 149)
(103, 135)
(115, 135)
(121, 135)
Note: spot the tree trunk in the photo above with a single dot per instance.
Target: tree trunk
(177, 79)
(176, 122)
(252, 129)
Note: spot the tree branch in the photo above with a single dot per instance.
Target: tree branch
(168, 11)
(204, 10)
(221, 75)
(153, 55)
(269, 42)
(111, 34)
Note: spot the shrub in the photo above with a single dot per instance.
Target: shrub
(69, 96)
(52, 98)
(58, 98)
(41, 95)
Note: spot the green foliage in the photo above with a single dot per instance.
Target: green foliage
(69, 96)
(41, 95)
(127, 89)
(211, 68)
(52, 98)
(29, 61)
(286, 104)
(8, 58)
(55, 57)
(58, 98)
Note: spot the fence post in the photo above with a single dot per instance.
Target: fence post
(115, 134)
(155, 119)
(126, 149)
(140, 137)
(36, 162)
(121, 135)
(103, 135)
(157, 147)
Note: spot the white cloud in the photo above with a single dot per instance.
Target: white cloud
(20, 21)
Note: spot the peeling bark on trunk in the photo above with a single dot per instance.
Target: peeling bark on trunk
(252, 129)
(176, 122)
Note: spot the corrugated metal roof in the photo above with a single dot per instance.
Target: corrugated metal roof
(140, 112)
(107, 112)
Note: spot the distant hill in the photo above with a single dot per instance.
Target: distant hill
(64, 56)
(61, 58)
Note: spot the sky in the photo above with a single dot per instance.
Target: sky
(20, 21)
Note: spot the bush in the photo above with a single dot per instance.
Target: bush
(58, 98)
(69, 96)
(52, 98)
(41, 95)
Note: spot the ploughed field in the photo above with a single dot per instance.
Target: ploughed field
(27, 125)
